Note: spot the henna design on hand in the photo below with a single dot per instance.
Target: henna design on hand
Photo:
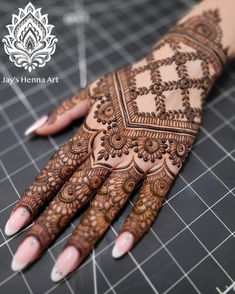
(74, 194)
(59, 168)
(143, 121)
(150, 199)
(104, 207)
(93, 92)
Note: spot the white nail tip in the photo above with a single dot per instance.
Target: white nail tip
(16, 267)
(116, 253)
(56, 275)
(39, 123)
(8, 231)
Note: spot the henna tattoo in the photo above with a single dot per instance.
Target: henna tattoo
(91, 92)
(150, 149)
(150, 112)
(165, 126)
(59, 168)
(150, 199)
(104, 207)
(75, 193)
(67, 105)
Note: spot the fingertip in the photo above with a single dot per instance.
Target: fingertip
(123, 244)
(36, 125)
(67, 261)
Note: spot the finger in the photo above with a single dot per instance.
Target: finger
(144, 211)
(51, 178)
(70, 109)
(108, 201)
(75, 193)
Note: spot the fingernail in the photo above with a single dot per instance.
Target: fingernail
(39, 123)
(67, 261)
(16, 221)
(123, 244)
(25, 254)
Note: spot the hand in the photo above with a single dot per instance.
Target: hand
(141, 125)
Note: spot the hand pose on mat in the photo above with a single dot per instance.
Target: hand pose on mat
(140, 124)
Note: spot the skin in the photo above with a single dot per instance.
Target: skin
(141, 122)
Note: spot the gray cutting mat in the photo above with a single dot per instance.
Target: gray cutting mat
(190, 248)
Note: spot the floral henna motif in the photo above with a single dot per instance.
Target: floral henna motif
(150, 149)
(59, 168)
(107, 203)
(75, 193)
(178, 151)
(150, 199)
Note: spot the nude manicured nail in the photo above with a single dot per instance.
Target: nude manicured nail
(67, 261)
(25, 254)
(39, 123)
(123, 244)
(16, 221)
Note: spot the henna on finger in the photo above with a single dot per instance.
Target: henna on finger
(59, 168)
(93, 92)
(104, 207)
(79, 189)
(149, 201)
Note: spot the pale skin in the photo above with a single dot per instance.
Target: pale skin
(140, 124)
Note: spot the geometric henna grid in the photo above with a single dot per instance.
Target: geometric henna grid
(163, 129)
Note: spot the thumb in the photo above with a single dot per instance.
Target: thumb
(70, 109)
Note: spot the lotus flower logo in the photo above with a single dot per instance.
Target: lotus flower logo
(29, 43)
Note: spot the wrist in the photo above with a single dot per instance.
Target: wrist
(220, 29)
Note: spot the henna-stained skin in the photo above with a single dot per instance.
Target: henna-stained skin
(58, 169)
(143, 121)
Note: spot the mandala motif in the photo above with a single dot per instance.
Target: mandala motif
(178, 151)
(104, 112)
(114, 143)
(29, 43)
(150, 149)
